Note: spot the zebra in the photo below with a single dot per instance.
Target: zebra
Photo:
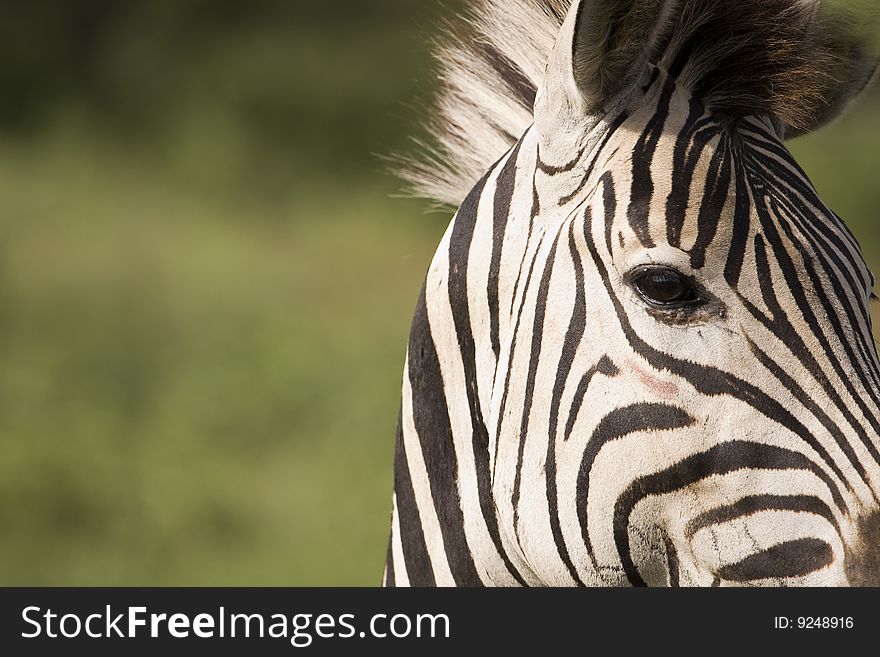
(643, 352)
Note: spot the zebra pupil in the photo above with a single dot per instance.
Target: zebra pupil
(662, 286)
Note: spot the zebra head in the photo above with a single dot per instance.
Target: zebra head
(644, 353)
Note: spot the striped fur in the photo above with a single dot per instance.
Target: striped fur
(557, 429)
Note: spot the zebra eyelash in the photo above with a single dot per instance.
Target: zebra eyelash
(705, 308)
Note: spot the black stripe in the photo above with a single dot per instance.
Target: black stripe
(609, 205)
(573, 338)
(752, 504)
(684, 160)
(389, 560)
(412, 538)
(535, 211)
(642, 188)
(740, 230)
(618, 424)
(504, 189)
(459, 255)
(604, 367)
(715, 194)
(523, 89)
(534, 361)
(512, 355)
(655, 73)
(555, 170)
(790, 559)
(431, 418)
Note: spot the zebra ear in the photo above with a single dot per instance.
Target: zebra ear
(602, 46)
(842, 46)
(841, 89)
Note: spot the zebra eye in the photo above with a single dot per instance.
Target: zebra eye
(664, 287)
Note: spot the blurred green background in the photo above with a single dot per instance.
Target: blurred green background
(206, 287)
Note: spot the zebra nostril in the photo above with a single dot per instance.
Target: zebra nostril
(863, 559)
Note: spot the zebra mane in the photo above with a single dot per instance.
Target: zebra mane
(781, 58)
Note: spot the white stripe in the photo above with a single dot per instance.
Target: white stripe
(401, 577)
(422, 488)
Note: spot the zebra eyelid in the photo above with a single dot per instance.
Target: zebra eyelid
(632, 278)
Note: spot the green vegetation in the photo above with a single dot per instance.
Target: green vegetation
(205, 288)
(197, 389)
